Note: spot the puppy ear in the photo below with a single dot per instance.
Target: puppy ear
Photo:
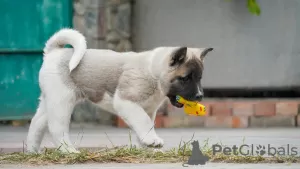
(204, 52)
(178, 56)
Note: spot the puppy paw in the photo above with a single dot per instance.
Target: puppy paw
(68, 150)
(158, 150)
(33, 150)
(152, 141)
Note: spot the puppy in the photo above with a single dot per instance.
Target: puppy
(131, 85)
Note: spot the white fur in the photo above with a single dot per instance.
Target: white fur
(54, 112)
(37, 128)
(68, 36)
(138, 120)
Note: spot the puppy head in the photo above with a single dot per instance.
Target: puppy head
(184, 73)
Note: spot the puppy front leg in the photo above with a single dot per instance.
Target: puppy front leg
(138, 120)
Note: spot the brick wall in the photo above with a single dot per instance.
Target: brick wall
(234, 114)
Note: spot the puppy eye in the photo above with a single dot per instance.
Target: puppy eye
(185, 78)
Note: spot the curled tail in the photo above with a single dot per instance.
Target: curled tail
(68, 36)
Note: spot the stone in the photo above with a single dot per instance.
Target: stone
(123, 18)
(83, 112)
(117, 2)
(101, 23)
(124, 45)
(95, 22)
(102, 44)
(110, 19)
(113, 2)
(79, 23)
(94, 3)
(91, 23)
(78, 7)
(103, 117)
(96, 43)
(86, 111)
(111, 46)
(113, 37)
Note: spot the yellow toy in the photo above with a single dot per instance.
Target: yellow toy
(192, 107)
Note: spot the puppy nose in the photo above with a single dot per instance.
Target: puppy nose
(199, 97)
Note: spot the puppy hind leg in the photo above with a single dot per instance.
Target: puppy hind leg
(37, 128)
(59, 115)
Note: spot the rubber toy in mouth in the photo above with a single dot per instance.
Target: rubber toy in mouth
(191, 107)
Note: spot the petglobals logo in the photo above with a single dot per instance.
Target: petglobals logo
(252, 150)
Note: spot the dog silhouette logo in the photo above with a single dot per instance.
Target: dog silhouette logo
(197, 157)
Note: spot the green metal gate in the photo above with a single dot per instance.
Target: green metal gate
(25, 26)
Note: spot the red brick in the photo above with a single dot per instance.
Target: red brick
(216, 121)
(221, 108)
(226, 122)
(194, 121)
(244, 108)
(264, 108)
(173, 121)
(239, 122)
(121, 123)
(208, 106)
(289, 108)
(273, 121)
(159, 121)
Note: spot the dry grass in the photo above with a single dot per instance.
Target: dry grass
(133, 154)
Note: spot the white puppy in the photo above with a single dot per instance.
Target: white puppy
(130, 85)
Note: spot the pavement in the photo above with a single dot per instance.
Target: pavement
(13, 139)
